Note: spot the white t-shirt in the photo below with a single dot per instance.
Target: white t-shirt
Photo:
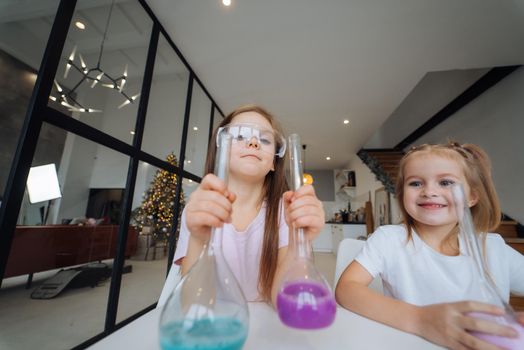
(242, 249)
(416, 273)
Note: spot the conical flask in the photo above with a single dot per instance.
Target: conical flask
(487, 289)
(305, 299)
(207, 310)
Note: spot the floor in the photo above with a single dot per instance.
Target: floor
(78, 314)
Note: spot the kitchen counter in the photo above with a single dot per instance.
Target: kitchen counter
(345, 223)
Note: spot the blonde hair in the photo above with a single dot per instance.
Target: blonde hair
(274, 187)
(476, 166)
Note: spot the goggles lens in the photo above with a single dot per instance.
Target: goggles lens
(269, 140)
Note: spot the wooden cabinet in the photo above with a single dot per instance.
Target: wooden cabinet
(41, 248)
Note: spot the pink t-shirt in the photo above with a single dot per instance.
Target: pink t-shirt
(242, 249)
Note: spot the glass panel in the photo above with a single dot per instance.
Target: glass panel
(167, 102)
(23, 36)
(217, 118)
(153, 210)
(76, 233)
(100, 75)
(198, 132)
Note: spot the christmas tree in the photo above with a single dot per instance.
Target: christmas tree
(158, 206)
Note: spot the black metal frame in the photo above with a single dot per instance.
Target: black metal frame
(39, 113)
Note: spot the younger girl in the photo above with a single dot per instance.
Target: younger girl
(425, 278)
(254, 210)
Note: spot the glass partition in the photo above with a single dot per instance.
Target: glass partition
(100, 75)
(167, 102)
(57, 279)
(198, 132)
(152, 217)
(217, 119)
(19, 64)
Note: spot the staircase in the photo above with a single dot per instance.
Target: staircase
(384, 164)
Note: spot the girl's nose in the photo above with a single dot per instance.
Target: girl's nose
(429, 191)
(253, 142)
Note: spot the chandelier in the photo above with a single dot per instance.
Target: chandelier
(93, 75)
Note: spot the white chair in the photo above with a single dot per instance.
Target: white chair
(347, 251)
(172, 280)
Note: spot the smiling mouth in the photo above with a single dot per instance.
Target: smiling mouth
(432, 205)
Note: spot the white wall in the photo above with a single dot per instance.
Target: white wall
(431, 94)
(495, 121)
(76, 166)
(324, 184)
(367, 184)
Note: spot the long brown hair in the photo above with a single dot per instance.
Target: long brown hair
(274, 186)
(477, 170)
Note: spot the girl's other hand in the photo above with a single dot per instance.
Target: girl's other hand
(303, 209)
(210, 205)
(448, 325)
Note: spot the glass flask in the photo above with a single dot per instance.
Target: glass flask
(207, 310)
(305, 299)
(487, 289)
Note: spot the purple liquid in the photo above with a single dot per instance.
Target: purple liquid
(306, 305)
(503, 342)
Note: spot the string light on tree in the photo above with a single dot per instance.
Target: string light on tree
(158, 205)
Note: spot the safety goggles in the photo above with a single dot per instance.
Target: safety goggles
(268, 140)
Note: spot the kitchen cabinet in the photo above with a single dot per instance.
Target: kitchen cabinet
(342, 231)
(324, 241)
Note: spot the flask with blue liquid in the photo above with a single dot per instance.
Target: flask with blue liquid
(207, 310)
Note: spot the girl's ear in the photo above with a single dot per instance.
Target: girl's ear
(473, 198)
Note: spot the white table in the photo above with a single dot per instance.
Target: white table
(349, 331)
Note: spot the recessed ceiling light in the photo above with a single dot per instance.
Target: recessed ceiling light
(346, 121)
(188, 161)
(328, 158)
(80, 25)
(190, 180)
(132, 132)
(226, 2)
(195, 128)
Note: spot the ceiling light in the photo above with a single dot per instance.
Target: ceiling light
(132, 132)
(93, 75)
(195, 128)
(328, 158)
(226, 2)
(306, 178)
(346, 121)
(80, 25)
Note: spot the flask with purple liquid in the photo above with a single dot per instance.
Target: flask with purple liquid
(305, 299)
(207, 310)
(488, 292)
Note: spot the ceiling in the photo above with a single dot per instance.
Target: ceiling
(315, 63)
(386, 66)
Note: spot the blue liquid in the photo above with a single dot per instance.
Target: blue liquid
(204, 334)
